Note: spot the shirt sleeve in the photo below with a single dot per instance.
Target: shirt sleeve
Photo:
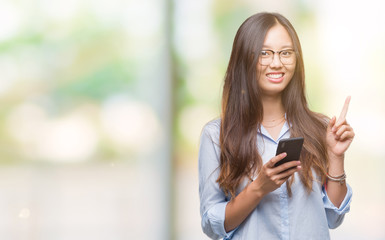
(213, 201)
(335, 216)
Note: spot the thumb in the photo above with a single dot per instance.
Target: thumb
(276, 159)
(331, 124)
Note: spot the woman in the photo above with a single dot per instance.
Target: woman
(242, 194)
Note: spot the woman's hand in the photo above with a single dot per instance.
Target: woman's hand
(339, 134)
(271, 178)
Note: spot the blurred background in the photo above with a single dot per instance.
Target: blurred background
(102, 104)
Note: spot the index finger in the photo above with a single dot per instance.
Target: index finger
(344, 111)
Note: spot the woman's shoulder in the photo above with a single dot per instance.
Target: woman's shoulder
(212, 128)
(214, 124)
(323, 119)
(320, 118)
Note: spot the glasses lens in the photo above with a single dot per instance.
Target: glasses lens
(266, 57)
(287, 56)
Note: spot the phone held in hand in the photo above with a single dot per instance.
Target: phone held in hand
(292, 146)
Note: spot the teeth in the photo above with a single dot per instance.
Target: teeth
(275, 75)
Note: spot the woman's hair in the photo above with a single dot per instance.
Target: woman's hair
(242, 111)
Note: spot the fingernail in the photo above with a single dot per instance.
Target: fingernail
(333, 129)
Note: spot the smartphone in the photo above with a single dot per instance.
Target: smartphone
(292, 146)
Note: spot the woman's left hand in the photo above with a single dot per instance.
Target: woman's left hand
(339, 134)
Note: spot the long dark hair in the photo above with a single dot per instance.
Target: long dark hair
(242, 111)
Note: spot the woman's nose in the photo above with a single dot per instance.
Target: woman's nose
(276, 62)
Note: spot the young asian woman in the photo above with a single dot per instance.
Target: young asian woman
(242, 194)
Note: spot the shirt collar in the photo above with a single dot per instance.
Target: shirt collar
(284, 130)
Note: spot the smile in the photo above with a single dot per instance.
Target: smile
(275, 77)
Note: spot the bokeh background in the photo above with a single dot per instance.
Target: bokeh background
(102, 104)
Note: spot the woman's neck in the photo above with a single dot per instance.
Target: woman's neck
(273, 115)
(272, 108)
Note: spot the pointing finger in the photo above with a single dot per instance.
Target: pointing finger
(344, 111)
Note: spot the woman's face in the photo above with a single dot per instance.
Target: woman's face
(275, 75)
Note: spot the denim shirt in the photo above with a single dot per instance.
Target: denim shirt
(277, 216)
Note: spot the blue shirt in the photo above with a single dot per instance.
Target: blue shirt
(277, 216)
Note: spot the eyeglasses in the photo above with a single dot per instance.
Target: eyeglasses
(286, 57)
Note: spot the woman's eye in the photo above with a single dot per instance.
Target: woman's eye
(265, 53)
(286, 53)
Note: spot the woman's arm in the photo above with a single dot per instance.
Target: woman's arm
(336, 190)
(339, 136)
(213, 201)
(269, 179)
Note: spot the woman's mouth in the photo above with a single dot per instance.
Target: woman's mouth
(275, 77)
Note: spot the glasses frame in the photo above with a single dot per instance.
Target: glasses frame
(279, 55)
